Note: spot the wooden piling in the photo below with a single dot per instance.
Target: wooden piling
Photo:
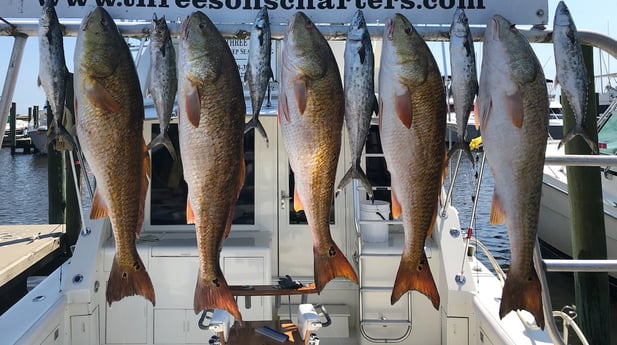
(56, 179)
(72, 217)
(35, 115)
(587, 221)
(13, 128)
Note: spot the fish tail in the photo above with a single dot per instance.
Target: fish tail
(356, 171)
(216, 295)
(58, 133)
(580, 130)
(523, 293)
(418, 278)
(330, 265)
(164, 140)
(127, 281)
(461, 145)
(256, 124)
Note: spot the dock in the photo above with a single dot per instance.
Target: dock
(22, 246)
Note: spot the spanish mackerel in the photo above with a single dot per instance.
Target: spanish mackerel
(360, 100)
(571, 72)
(258, 70)
(464, 78)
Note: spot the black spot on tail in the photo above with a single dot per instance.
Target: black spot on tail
(216, 282)
(332, 251)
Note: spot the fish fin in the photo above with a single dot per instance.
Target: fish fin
(215, 295)
(193, 105)
(461, 146)
(476, 115)
(190, 215)
(523, 293)
(300, 94)
(403, 107)
(254, 123)
(396, 206)
(162, 139)
(556, 81)
(376, 109)
(145, 181)
(498, 216)
(247, 75)
(98, 208)
(578, 130)
(356, 172)
(420, 278)
(330, 265)
(283, 108)
(380, 110)
(298, 206)
(514, 109)
(127, 281)
(100, 97)
(361, 53)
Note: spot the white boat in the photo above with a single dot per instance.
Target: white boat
(554, 226)
(39, 138)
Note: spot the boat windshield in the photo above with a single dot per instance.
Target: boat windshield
(607, 136)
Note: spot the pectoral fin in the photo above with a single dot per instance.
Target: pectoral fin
(300, 94)
(498, 216)
(100, 97)
(193, 105)
(396, 206)
(403, 108)
(514, 109)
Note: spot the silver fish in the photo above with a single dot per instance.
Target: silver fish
(513, 107)
(464, 78)
(258, 70)
(53, 73)
(163, 81)
(571, 72)
(360, 100)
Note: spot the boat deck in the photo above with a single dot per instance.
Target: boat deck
(22, 246)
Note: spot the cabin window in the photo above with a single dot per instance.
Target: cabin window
(376, 169)
(169, 190)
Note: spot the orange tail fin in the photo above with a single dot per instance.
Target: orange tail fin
(523, 293)
(215, 295)
(330, 265)
(129, 281)
(417, 278)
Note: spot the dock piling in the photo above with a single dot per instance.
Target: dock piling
(587, 222)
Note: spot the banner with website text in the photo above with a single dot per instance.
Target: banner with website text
(524, 12)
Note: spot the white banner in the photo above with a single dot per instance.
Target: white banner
(523, 12)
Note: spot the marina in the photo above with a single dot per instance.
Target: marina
(178, 249)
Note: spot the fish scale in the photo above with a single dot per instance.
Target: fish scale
(162, 81)
(513, 107)
(412, 127)
(106, 87)
(360, 101)
(311, 111)
(211, 132)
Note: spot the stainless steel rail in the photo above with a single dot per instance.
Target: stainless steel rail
(581, 160)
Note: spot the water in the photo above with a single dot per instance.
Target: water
(495, 237)
(23, 186)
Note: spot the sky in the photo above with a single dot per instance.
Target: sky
(595, 15)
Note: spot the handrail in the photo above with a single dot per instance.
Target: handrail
(581, 160)
(571, 265)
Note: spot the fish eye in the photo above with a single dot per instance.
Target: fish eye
(408, 30)
(465, 20)
(202, 26)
